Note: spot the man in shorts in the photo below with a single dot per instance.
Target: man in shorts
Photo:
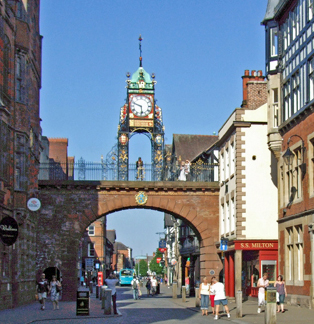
(218, 289)
(42, 289)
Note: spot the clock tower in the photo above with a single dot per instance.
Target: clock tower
(140, 115)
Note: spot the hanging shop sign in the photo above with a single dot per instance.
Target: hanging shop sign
(9, 230)
(33, 204)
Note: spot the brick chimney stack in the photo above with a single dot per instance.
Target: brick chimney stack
(254, 89)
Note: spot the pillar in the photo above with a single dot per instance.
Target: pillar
(227, 279)
(238, 270)
(231, 275)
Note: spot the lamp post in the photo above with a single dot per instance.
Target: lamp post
(289, 155)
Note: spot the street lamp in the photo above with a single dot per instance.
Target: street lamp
(289, 155)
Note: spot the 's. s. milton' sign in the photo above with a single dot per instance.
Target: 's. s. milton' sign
(9, 230)
(256, 245)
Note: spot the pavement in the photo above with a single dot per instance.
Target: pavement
(159, 309)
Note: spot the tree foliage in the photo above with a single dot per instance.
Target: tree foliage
(143, 268)
(154, 266)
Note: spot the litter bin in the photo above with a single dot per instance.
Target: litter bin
(82, 303)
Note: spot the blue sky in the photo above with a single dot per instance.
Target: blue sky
(197, 49)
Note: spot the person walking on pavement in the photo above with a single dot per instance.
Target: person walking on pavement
(111, 282)
(282, 292)
(154, 286)
(204, 296)
(43, 290)
(218, 289)
(148, 286)
(262, 283)
(134, 285)
(55, 288)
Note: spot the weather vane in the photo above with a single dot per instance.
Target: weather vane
(140, 47)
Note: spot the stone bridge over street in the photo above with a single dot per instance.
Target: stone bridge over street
(69, 207)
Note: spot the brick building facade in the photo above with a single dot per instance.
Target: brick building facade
(20, 133)
(289, 69)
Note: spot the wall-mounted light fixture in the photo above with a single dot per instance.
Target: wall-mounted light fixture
(289, 155)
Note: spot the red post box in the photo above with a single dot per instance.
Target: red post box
(100, 277)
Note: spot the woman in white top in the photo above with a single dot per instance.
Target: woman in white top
(204, 296)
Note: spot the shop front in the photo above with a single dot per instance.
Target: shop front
(258, 257)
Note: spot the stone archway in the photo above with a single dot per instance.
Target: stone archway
(69, 207)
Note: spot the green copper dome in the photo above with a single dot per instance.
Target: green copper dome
(141, 74)
(141, 79)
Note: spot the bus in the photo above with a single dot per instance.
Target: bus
(126, 276)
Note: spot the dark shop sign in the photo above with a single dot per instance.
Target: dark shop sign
(9, 230)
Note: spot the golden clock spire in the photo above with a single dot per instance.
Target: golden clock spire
(140, 47)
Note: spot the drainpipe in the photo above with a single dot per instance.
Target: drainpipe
(311, 231)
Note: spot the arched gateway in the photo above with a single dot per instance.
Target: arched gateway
(69, 207)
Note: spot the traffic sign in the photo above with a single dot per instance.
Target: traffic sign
(224, 244)
(162, 250)
(158, 260)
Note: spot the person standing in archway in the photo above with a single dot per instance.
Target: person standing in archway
(43, 290)
(139, 169)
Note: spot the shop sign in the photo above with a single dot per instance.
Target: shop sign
(9, 230)
(33, 204)
(256, 245)
(162, 243)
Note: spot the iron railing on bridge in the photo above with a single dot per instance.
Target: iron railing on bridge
(82, 170)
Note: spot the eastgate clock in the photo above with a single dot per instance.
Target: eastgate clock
(141, 105)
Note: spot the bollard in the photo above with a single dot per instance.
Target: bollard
(97, 291)
(107, 299)
(270, 310)
(174, 290)
(239, 304)
(103, 298)
(183, 294)
(197, 300)
(91, 287)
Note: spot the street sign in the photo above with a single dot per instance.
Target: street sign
(162, 243)
(162, 250)
(89, 264)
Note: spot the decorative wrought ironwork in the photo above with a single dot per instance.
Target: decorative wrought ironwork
(108, 170)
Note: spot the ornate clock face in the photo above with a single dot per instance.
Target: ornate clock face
(141, 106)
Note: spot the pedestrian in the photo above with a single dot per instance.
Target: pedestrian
(55, 288)
(148, 286)
(134, 284)
(218, 289)
(139, 290)
(204, 296)
(111, 282)
(281, 292)
(262, 283)
(139, 169)
(154, 286)
(187, 285)
(212, 298)
(42, 289)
